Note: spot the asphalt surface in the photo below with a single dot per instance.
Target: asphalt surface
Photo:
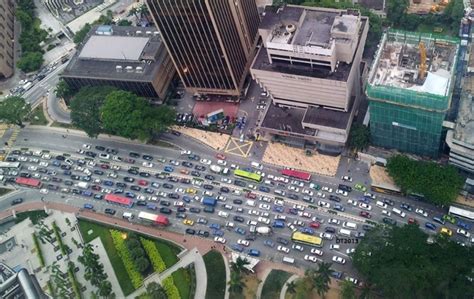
(59, 142)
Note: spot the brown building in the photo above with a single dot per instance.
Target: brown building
(211, 42)
(7, 13)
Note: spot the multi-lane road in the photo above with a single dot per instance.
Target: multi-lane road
(54, 142)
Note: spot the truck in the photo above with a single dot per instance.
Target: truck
(215, 168)
(209, 201)
(82, 185)
(264, 230)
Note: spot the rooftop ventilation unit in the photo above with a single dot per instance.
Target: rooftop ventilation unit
(139, 69)
(156, 32)
(148, 33)
(138, 32)
(118, 68)
(129, 69)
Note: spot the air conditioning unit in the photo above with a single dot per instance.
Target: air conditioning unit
(139, 69)
(118, 68)
(129, 69)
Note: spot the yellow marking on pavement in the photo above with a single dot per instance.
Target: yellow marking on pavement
(235, 147)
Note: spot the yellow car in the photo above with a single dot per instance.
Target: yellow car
(191, 191)
(446, 231)
(188, 222)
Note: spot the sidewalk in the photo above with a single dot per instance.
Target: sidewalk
(214, 140)
(285, 286)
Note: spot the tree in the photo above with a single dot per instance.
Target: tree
(85, 109)
(321, 278)
(359, 137)
(81, 34)
(105, 288)
(124, 22)
(396, 10)
(239, 265)
(142, 264)
(63, 90)
(13, 110)
(156, 291)
(402, 264)
(30, 62)
(347, 290)
(291, 287)
(236, 285)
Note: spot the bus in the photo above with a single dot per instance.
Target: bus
(248, 175)
(153, 218)
(299, 237)
(4, 166)
(462, 213)
(117, 199)
(28, 182)
(300, 175)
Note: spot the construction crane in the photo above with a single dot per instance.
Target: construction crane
(422, 70)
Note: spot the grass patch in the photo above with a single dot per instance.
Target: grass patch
(35, 216)
(168, 252)
(37, 117)
(161, 143)
(103, 233)
(274, 283)
(4, 191)
(63, 125)
(216, 275)
(182, 280)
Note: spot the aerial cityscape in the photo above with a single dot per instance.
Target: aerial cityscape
(236, 149)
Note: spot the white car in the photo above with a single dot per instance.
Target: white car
(234, 166)
(141, 197)
(308, 192)
(352, 202)
(86, 146)
(298, 207)
(22, 159)
(44, 191)
(386, 213)
(297, 183)
(293, 188)
(350, 251)
(298, 222)
(112, 175)
(321, 194)
(292, 227)
(222, 162)
(264, 206)
(338, 259)
(365, 206)
(264, 214)
(297, 247)
(243, 242)
(92, 163)
(205, 161)
(421, 212)
(254, 212)
(351, 279)
(283, 249)
(32, 167)
(104, 156)
(179, 190)
(147, 164)
(226, 180)
(279, 202)
(178, 204)
(174, 162)
(317, 251)
(463, 233)
(208, 193)
(341, 192)
(265, 199)
(368, 194)
(237, 192)
(334, 221)
(326, 189)
(251, 186)
(117, 158)
(326, 236)
(80, 151)
(260, 173)
(263, 220)
(310, 258)
(219, 240)
(44, 164)
(346, 178)
(223, 214)
(252, 222)
(324, 204)
(304, 214)
(185, 152)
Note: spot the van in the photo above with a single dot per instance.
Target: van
(344, 232)
(250, 203)
(349, 225)
(381, 204)
(398, 212)
(288, 260)
(256, 165)
(127, 215)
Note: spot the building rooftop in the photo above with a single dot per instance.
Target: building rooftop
(400, 58)
(327, 118)
(119, 53)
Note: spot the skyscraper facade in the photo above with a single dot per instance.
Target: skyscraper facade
(7, 13)
(211, 42)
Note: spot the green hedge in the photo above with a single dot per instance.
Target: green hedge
(215, 268)
(38, 249)
(72, 278)
(122, 250)
(170, 289)
(154, 255)
(58, 237)
(275, 281)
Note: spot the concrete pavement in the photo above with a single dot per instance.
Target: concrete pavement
(55, 109)
(285, 286)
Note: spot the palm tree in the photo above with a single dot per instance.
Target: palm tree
(236, 285)
(347, 290)
(321, 278)
(367, 290)
(291, 287)
(324, 270)
(321, 285)
(239, 265)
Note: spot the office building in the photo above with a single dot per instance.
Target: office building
(129, 58)
(409, 90)
(211, 42)
(19, 284)
(7, 20)
(310, 65)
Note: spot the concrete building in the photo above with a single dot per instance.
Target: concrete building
(409, 90)
(7, 20)
(310, 65)
(211, 42)
(129, 58)
(19, 284)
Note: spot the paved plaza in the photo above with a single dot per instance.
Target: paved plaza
(216, 141)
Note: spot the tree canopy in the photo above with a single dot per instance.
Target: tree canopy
(30, 61)
(359, 137)
(439, 184)
(402, 264)
(13, 110)
(63, 90)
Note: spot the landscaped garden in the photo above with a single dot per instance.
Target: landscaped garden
(216, 275)
(135, 257)
(274, 283)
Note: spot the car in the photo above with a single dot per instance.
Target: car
(351, 279)
(283, 249)
(147, 164)
(388, 201)
(406, 207)
(205, 161)
(334, 221)
(44, 191)
(338, 259)
(365, 206)
(324, 204)
(446, 231)
(243, 242)
(219, 240)
(365, 214)
(188, 222)
(282, 241)
(430, 225)
(346, 178)
(17, 201)
(360, 187)
(311, 258)
(350, 251)
(220, 156)
(449, 218)
(110, 211)
(330, 229)
(421, 212)
(297, 247)
(341, 192)
(190, 231)
(463, 233)
(463, 225)
(307, 192)
(269, 243)
(264, 206)
(326, 236)
(389, 221)
(326, 189)
(345, 187)
(339, 207)
(369, 195)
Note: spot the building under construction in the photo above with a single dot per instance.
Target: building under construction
(409, 90)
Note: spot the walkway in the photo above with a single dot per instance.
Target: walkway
(264, 276)
(285, 286)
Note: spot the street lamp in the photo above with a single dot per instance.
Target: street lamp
(124, 236)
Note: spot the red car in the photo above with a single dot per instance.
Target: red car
(96, 187)
(314, 224)
(251, 195)
(220, 157)
(412, 221)
(142, 183)
(184, 171)
(364, 214)
(129, 160)
(104, 166)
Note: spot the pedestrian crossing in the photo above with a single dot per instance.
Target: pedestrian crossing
(13, 137)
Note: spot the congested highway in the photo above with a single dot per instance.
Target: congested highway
(106, 169)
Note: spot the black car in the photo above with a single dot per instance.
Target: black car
(165, 210)
(293, 196)
(132, 171)
(68, 183)
(208, 187)
(98, 172)
(111, 151)
(173, 195)
(168, 186)
(237, 201)
(203, 233)
(208, 209)
(190, 231)
(200, 167)
(187, 164)
(345, 187)
(180, 215)
(134, 155)
(334, 198)
(160, 176)
(60, 158)
(195, 210)
(109, 211)
(209, 177)
(282, 241)
(388, 201)
(76, 191)
(194, 157)
(175, 133)
(141, 203)
(144, 174)
(185, 181)
(224, 190)
(250, 237)
(173, 179)
(195, 173)
(90, 154)
(147, 157)
(389, 221)
(42, 170)
(52, 187)
(121, 185)
(240, 183)
(25, 175)
(65, 167)
(405, 207)
(10, 159)
(149, 190)
(75, 177)
(165, 203)
(56, 179)
(129, 179)
(99, 196)
(330, 229)
(239, 218)
(181, 209)
(135, 188)
(100, 148)
(16, 201)
(16, 152)
(367, 227)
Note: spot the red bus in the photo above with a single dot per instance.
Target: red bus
(153, 218)
(34, 183)
(300, 175)
(121, 200)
